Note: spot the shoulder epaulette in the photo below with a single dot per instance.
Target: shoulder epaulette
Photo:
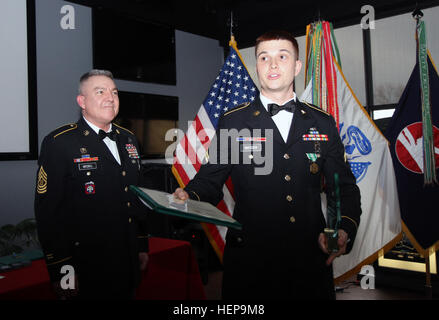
(316, 108)
(63, 129)
(240, 107)
(123, 128)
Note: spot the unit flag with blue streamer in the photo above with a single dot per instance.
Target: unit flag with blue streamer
(366, 149)
(413, 133)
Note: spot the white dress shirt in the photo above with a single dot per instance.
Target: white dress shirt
(282, 119)
(110, 143)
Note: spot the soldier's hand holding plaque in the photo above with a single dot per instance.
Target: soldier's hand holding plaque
(334, 240)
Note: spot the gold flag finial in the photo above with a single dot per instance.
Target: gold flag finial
(232, 42)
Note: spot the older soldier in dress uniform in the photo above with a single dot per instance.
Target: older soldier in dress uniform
(281, 252)
(86, 216)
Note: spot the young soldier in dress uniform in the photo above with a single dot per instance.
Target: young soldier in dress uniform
(280, 253)
(86, 216)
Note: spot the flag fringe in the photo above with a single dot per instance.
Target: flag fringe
(177, 177)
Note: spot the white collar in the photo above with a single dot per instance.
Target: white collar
(266, 101)
(96, 128)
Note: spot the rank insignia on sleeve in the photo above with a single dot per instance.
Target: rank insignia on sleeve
(90, 187)
(42, 181)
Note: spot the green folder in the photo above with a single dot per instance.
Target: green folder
(164, 203)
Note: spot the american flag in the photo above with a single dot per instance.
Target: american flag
(231, 88)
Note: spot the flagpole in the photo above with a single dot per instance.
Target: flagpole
(231, 24)
(428, 287)
(232, 42)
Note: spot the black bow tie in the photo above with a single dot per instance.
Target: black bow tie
(111, 135)
(273, 108)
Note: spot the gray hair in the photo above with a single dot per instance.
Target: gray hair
(92, 73)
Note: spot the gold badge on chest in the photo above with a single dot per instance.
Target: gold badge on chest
(314, 168)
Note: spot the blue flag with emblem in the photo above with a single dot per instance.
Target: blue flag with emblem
(405, 134)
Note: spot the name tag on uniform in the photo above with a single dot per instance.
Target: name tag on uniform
(88, 166)
(250, 147)
(249, 144)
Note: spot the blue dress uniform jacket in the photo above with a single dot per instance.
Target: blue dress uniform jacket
(86, 215)
(276, 254)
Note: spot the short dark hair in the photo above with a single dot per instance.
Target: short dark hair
(92, 73)
(278, 35)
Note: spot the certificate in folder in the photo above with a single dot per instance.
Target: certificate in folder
(165, 203)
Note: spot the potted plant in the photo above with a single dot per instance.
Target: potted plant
(15, 238)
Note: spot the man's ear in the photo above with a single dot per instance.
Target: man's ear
(298, 67)
(80, 99)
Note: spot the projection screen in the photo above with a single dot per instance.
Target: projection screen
(18, 120)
